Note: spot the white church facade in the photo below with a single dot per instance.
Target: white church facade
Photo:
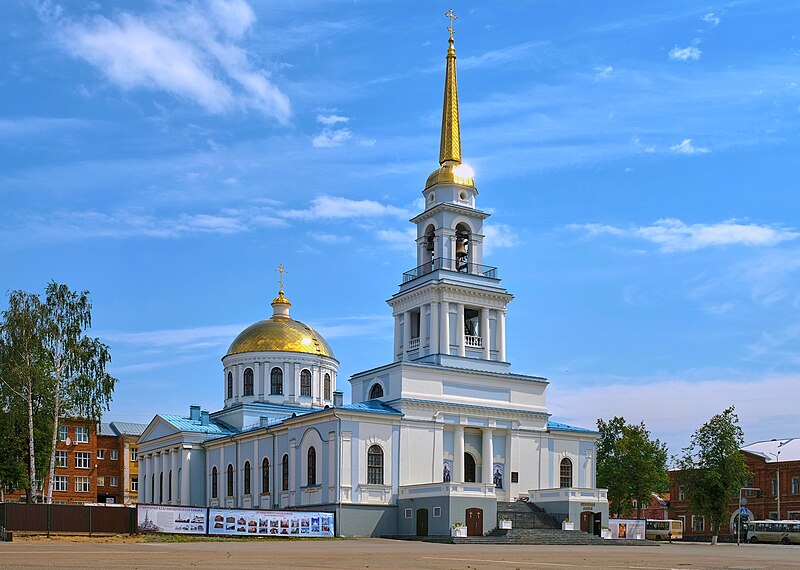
(439, 435)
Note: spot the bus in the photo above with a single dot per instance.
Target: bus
(668, 529)
(785, 532)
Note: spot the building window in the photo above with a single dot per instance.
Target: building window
(246, 477)
(375, 465)
(470, 472)
(134, 454)
(169, 486)
(794, 515)
(408, 513)
(327, 386)
(305, 383)
(82, 485)
(437, 512)
(285, 473)
(114, 455)
(566, 473)
(515, 476)
(681, 493)
(61, 458)
(376, 392)
(682, 518)
(82, 459)
(63, 433)
(229, 482)
(698, 523)
(230, 385)
(114, 480)
(60, 483)
(795, 485)
(101, 454)
(312, 466)
(276, 382)
(773, 515)
(774, 487)
(81, 434)
(101, 481)
(748, 483)
(265, 476)
(135, 484)
(248, 382)
(214, 482)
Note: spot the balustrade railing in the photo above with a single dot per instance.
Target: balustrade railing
(450, 265)
(473, 341)
(413, 344)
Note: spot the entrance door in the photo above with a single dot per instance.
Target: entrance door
(422, 522)
(598, 519)
(474, 522)
(585, 522)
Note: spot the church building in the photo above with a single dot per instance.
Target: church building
(437, 436)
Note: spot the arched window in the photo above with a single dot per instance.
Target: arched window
(376, 392)
(463, 254)
(326, 381)
(248, 382)
(430, 248)
(229, 481)
(285, 473)
(246, 477)
(214, 483)
(169, 486)
(276, 382)
(230, 385)
(161, 487)
(305, 383)
(312, 466)
(375, 465)
(265, 476)
(566, 473)
(469, 468)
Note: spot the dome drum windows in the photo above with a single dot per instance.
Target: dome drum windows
(230, 386)
(305, 383)
(276, 382)
(327, 386)
(248, 382)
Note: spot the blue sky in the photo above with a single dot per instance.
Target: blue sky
(639, 159)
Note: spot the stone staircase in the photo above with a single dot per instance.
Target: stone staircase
(541, 536)
(526, 515)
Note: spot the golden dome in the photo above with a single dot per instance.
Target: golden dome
(447, 174)
(280, 334)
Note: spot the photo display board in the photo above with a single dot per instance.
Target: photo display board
(289, 524)
(184, 520)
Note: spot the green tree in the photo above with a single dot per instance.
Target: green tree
(80, 385)
(630, 464)
(712, 469)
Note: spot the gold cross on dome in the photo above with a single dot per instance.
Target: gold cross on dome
(452, 16)
(281, 270)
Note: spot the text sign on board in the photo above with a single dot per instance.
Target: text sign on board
(162, 518)
(270, 523)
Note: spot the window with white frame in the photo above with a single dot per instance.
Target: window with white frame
(63, 433)
(82, 459)
(60, 483)
(408, 513)
(101, 481)
(61, 458)
(793, 515)
(114, 455)
(135, 484)
(114, 481)
(795, 486)
(82, 485)
(101, 454)
(698, 523)
(682, 518)
(81, 434)
(681, 493)
(774, 487)
(773, 515)
(134, 454)
(437, 512)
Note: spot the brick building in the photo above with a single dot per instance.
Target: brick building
(775, 469)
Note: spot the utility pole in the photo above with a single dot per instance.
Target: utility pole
(777, 457)
(742, 501)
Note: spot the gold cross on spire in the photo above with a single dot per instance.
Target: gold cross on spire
(452, 16)
(281, 270)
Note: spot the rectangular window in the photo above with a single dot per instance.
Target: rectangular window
(681, 493)
(82, 485)
(61, 458)
(773, 516)
(437, 512)
(698, 523)
(101, 454)
(795, 485)
(114, 455)
(408, 513)
(134, 454)
(774, 487)
(81, 434)
(101, 481)
(794, 515)
(682, 518)
(114, 481)
(63, 433)
(135, 484)
(82, 459)
(60, 483)
(515, 476)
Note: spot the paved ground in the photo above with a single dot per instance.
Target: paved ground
(376, 553)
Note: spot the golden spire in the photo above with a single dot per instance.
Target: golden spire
(450, 147)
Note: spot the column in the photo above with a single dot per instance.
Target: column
(397, 339)
(444, 339)
(142, 479)
(501, 335)
(485, 334)
(434, 333)
(173, 465)
(406, 333)
(487, 456)
(158, 487)
(186, 492)
(237, 382)
(258, 380)
(460, 330)
(458, 455)
(423, 328)
(294, 472)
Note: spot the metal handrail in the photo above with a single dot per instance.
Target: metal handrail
(448, 264)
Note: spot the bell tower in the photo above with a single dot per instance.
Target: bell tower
(450, 309)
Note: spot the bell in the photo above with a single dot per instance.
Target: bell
(461, 248)
(429, 245)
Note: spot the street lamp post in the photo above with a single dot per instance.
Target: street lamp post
(739, 516)
(777, 457)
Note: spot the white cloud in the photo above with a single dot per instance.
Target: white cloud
(330, 120)
(499, 236)
(711, 18)
(329, 238)
(336, 207)
(329, 138)
(493, 58)
(367, 143)
(182, 49)
(403, 240)
(177, 339)
(686, 147)
(674, 235)
(684, 54)
(603, 72)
